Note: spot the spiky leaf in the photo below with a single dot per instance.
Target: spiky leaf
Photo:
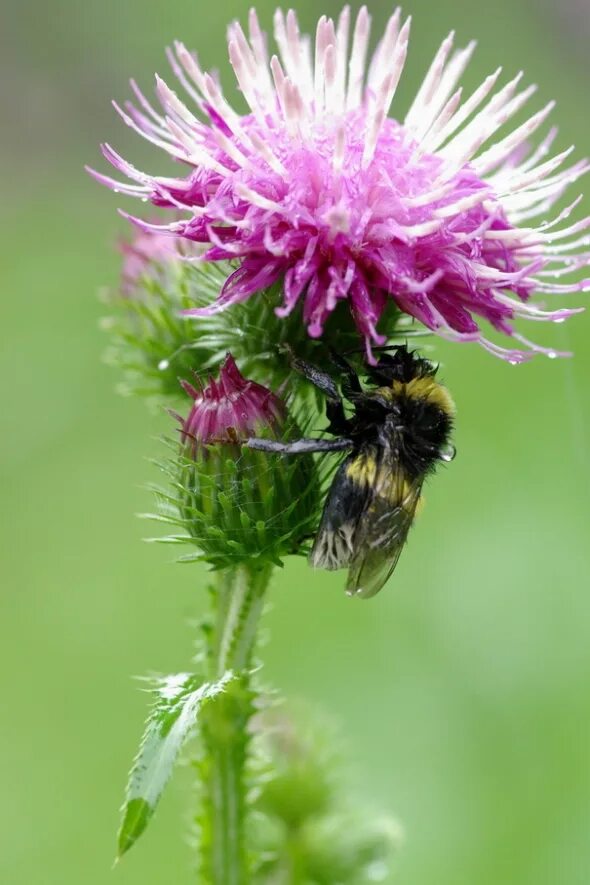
(178, 700)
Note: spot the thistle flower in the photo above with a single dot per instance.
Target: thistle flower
(151, 342)
(235, 504)
(317, 187)
(145, 256)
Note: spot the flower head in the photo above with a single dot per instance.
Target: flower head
(238, 505)
(318, 188)
(231, 409)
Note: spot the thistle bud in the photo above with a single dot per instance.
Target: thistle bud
(305, 810)
(231, 410)
(235, 503)
(147, 256)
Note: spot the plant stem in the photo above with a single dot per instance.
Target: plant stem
(295, 867)
(238, 602)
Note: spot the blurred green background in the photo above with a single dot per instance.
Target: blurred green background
(463, 689)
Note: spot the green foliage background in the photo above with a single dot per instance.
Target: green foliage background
(463, 688)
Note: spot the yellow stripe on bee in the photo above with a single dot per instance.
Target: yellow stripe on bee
(363, 470)
(406, 496)
(426, 388)
(400, 492)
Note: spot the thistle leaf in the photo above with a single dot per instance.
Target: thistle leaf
(178, 700)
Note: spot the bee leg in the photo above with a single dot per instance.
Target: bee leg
(319, 379)
(352, 384)
(300, 446)
(339, 424)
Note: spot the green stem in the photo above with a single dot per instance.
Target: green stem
(295, 871)
(238, 601)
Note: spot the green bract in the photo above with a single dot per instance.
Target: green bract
(238, 504)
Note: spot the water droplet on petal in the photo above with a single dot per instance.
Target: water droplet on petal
(560, 320)
(552, 355)
(163, 365)
(514, 362)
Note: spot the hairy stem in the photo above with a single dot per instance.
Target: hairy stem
(238, 601)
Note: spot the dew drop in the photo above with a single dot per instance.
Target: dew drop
(144, 199)
(560, 320)
(513, 362)
(163, 365)
(116, 190)
(447, 453)
(552, 355)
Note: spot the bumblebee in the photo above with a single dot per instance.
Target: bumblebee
(399, 430)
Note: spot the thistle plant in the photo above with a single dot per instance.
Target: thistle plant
(301, 246)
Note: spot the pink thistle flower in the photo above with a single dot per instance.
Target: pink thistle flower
(231, 409)
(317, 187)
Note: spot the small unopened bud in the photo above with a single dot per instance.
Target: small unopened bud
(231, 410)
(302, 791)
(238, 504)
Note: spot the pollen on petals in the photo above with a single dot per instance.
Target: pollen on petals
(319, 187)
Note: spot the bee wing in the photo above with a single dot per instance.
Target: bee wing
(382, 531)
(333, 547)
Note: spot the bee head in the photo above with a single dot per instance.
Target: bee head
(402, 365)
